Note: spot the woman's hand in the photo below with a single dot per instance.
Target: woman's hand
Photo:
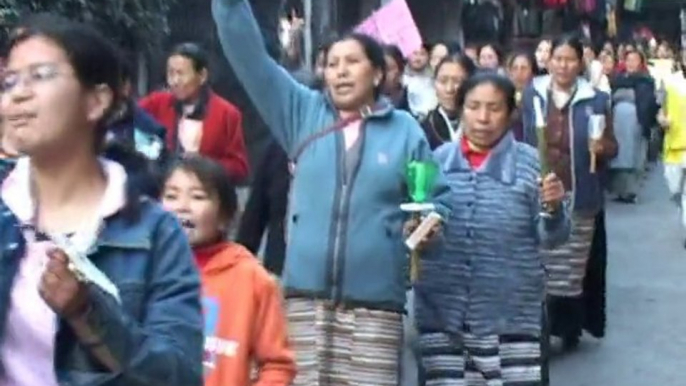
(663, 120)
(60, 288)
(597, 147)
(552, 191)
(413, 223)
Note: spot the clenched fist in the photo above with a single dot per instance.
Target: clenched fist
(61, 289)
(552, 191)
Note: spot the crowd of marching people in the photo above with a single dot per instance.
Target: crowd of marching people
(118, 261)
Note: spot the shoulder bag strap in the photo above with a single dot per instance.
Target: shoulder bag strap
(336, 126)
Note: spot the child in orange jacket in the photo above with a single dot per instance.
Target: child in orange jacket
(244, 319)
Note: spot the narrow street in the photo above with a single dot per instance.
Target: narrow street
(646, 335)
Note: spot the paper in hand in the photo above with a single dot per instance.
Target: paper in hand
(423, 230)
(84, 267)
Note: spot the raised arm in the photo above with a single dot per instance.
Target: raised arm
(281, 101)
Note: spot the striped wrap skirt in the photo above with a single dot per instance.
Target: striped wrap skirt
(469, 360)
(566, 265)
(337, 346)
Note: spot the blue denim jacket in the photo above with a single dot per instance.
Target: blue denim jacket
(155, 335)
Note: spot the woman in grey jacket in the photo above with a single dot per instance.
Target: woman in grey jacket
(481, 297)
(345, 269)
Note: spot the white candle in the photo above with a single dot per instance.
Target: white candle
(597, 126)
(538, 112)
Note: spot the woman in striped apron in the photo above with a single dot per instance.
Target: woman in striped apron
(577, 151)
(478, 303)
(345, 271)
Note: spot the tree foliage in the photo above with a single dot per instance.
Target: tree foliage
(133, 24)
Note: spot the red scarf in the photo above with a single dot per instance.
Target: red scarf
(204, 254)
(475, 157)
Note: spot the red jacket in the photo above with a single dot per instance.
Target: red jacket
(222, 137)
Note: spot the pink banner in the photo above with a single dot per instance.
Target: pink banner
(393, 24)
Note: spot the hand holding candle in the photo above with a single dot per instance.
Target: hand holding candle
(552, 191)
(542, 145)
(542, 140)
(596, 129)
(421, 178)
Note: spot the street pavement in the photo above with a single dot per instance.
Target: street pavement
(646, 334)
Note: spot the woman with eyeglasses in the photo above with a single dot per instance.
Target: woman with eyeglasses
(97, 284)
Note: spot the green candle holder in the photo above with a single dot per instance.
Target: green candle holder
(421, 179)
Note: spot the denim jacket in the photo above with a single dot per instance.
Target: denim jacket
(155, 335)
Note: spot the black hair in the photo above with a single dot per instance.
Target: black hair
(572, 41)
(193, 52)
(452, 47)
(496, 48)
(528, 55)
(640, 54)
(372, 50)
(394, 52)
(462, 60)
(500, 82)
(471, 45)
(94, 59)
(214, 179)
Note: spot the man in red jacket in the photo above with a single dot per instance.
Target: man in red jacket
(198, 120)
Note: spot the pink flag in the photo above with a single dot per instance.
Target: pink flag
(393, 24)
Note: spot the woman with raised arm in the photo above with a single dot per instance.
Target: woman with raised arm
(97, 284)
(346, 263)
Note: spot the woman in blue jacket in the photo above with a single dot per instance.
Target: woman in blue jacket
(345, 259)
(569, 105)
(479, 301)
(132, 315)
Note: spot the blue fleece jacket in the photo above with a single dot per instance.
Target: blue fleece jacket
(345, 240)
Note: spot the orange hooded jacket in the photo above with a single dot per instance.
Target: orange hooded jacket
(244, 320)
